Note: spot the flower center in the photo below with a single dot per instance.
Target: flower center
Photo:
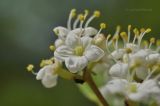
(133, 87)
(79, 50)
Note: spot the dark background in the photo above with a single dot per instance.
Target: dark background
(26, 32)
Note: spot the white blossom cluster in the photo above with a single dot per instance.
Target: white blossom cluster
(135, 73)
(135, 67)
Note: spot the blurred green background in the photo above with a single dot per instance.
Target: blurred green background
(26, 32)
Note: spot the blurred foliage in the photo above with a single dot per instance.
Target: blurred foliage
(26, 31)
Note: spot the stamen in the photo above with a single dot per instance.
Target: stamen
(86, 12)
(46, 62)
(102, 26)
(152, 40)
(151, 73)
(71, 15)
(145, 44)
(76, 22)
(116, 33)
(95, 14)
(136, 35)
(143, 32)
(52, 48)
(115, 40)
(158, 45)
(81, 18)
(30, 68)
(107, 40)
(124, 37)
(129, 32)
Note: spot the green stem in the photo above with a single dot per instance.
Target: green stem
(88, 78)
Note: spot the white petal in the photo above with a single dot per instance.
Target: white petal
(141, 72)
(63, 52)
(118, 54)
(40, 74)
(119, 70)
(75, 64)
(77, 31)
(72, 40)
(153, 58)
(62, 32)
(94, 53)
(116, 86)
(90, 31)
(49, 80)
(132, 46)
(138, 97)
(86, 41)
(58, 42)
(149, 86)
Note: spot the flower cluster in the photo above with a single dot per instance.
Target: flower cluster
(132, 66)
(135, 72)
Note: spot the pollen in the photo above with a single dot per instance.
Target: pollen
(81, 17)
(86, 12)
(152, 40)
(102, 25)
(30, 67)
(97, 13)
(46, 62)
(124, 35)
(73, 12)
(142, 30)
(158, 42)
(79, 50)
(145, 43)
(148, 30)
(129, 27)
(136, 32)
(52, 47)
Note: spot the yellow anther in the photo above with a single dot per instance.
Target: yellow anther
(118, 27)
(97, 13)
(56, 31)
(158, 42)
(46, 62)
(152, 40)
(129, 27)
(136, 32)
(142, 30)
(145, 43)
(124, 35)
(30, 67)
(86, 12)
(102, 25)
(133, 87)
(52, 47)
(148, 30)
(115, 38)
(81, 17)
(73, 12)
(128, 50)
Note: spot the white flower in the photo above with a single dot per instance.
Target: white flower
(61, 32)
(140, 92)
(118, 54)
(77, 52)
(132, 46)
(47, 76)
(119, 70)
(146, 91)
(114, 87)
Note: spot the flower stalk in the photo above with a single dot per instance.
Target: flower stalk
(89, 80)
